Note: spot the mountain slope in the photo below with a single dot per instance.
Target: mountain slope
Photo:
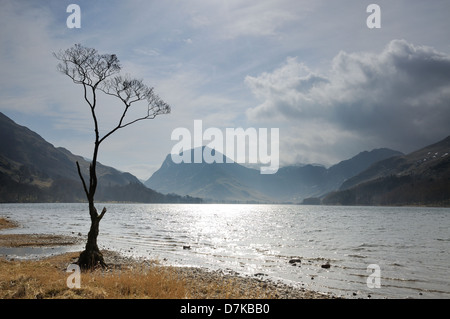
(344, 170)
(231, 182)
(421, 177)
(225, 182)
(33, 170)
(22, 147)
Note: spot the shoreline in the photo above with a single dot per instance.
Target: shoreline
(250, 287)
(194, 282)
(36, 240)
(184, 282)
(6, 223)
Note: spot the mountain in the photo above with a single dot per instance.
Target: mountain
(227, 182)
(231, 182)
(33, 170)
(419, 178)
(344, 170)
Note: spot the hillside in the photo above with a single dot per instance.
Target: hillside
(231, 182)
(33, 170)
(227, 182)
(419, 178)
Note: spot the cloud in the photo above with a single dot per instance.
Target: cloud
(399, 97)
(147, 52)
(237, 18)
(197, 54)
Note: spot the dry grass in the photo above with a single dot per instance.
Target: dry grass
(5, 223)
(36, 279)
(48, 279)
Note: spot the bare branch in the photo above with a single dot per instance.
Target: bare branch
(82, 179)
(96, 71)
(102, 214)
(85, 66)
(130, 91)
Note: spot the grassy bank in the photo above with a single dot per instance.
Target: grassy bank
(48, 279)
(130, 279)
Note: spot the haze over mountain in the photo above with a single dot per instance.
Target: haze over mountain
(231, 182)
(419, 178)
(33, 170)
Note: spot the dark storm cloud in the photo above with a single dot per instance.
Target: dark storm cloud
(400, 96)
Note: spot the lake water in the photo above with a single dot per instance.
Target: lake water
(411, 246)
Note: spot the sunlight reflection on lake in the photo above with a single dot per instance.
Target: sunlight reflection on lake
(411, 245)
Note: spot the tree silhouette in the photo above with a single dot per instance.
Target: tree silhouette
(100, 73)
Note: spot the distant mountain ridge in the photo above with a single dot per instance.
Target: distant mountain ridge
(231, 182)
(221, 182)
(419, 178)
(33, 170)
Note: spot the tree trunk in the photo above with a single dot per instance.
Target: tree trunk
(91, 257)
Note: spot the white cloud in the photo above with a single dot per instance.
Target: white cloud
(147, 52)
(233, 19)
(398, 98)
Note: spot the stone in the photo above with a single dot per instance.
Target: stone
(260, 274)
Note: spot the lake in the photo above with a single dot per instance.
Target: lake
(409, 245)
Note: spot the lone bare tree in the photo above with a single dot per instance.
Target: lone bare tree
(100, 73)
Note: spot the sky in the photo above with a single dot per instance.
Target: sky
(314, 69)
